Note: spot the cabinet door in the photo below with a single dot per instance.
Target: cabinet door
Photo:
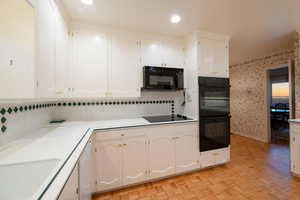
(213, 58)
(151, 53)
(61, 57)
(214, 157)
(205, 57)
(109, 164)
(186, 153)
(45, 51)
(88, 74)
(135, 160)
(295, 158)
(173, 54)
(70, 190)
(86, 180)
(17, 47)
(161, 156)
(126, 71)
(221, 59)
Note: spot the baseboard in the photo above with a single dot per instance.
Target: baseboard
(250, 136)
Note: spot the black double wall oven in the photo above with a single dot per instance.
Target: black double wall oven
(214, 113)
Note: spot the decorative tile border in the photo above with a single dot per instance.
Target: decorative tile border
(6, 112)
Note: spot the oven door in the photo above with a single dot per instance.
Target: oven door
(214, 133)
(213, 101)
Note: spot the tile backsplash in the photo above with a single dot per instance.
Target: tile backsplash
(16, 120)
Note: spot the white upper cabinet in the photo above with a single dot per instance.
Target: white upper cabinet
(45, 48)
(173, 53)
(213, 56)
(17, 50)
(61, 56)
(152, 53)
(125, 70)
(163, 53)
(89, 71)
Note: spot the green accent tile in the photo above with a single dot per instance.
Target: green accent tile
(3, 129)
(64, 104)
(93, 103)
(9, 110)
(3, 111)
(16, 109)
(21, 109)
(83, 103)
(69, 104)
(97, 103)
(25, 108)
(3, 120)
(30, 107)
(59, 104)
(74, 104)
(88, 103)
(79, 104)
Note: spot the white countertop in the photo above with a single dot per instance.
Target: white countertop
(62, 143)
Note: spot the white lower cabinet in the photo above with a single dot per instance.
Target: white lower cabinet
(135, 155)
(70, 191)
(109, 164)
(86, 175)
(161, 156)
(214, 157)
(295, 148)
(134, 160)
(187, 154)
(295, 155)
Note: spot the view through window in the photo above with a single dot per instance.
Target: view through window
(280, 93)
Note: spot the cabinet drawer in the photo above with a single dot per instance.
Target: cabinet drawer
(172, 129)
(214, 157)
(119, 133)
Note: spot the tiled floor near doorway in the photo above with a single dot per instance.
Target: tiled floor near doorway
(257, 171)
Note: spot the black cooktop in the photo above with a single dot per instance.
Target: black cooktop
(166, 118)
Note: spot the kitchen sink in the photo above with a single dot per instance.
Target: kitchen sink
(23, 180)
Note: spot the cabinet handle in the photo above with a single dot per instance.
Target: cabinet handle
(124, 145)
(215, 154)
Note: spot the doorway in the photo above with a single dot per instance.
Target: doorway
(280, 103)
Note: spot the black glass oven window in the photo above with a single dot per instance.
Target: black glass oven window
(214, 133)
(156, 80)
(214, 100)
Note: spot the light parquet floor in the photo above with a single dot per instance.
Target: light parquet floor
(257, 171)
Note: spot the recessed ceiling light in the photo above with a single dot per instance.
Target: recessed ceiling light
(175, 19)
(87, 2)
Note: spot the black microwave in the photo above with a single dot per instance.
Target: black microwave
(163, 78)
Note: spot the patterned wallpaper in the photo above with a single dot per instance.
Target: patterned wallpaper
(249, 94)
(297, 76)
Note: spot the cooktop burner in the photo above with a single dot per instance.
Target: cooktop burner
(166, 118)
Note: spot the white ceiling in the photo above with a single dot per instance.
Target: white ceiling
(256, 27)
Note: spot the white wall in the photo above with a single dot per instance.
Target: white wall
(16, 44)
(19, 124)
